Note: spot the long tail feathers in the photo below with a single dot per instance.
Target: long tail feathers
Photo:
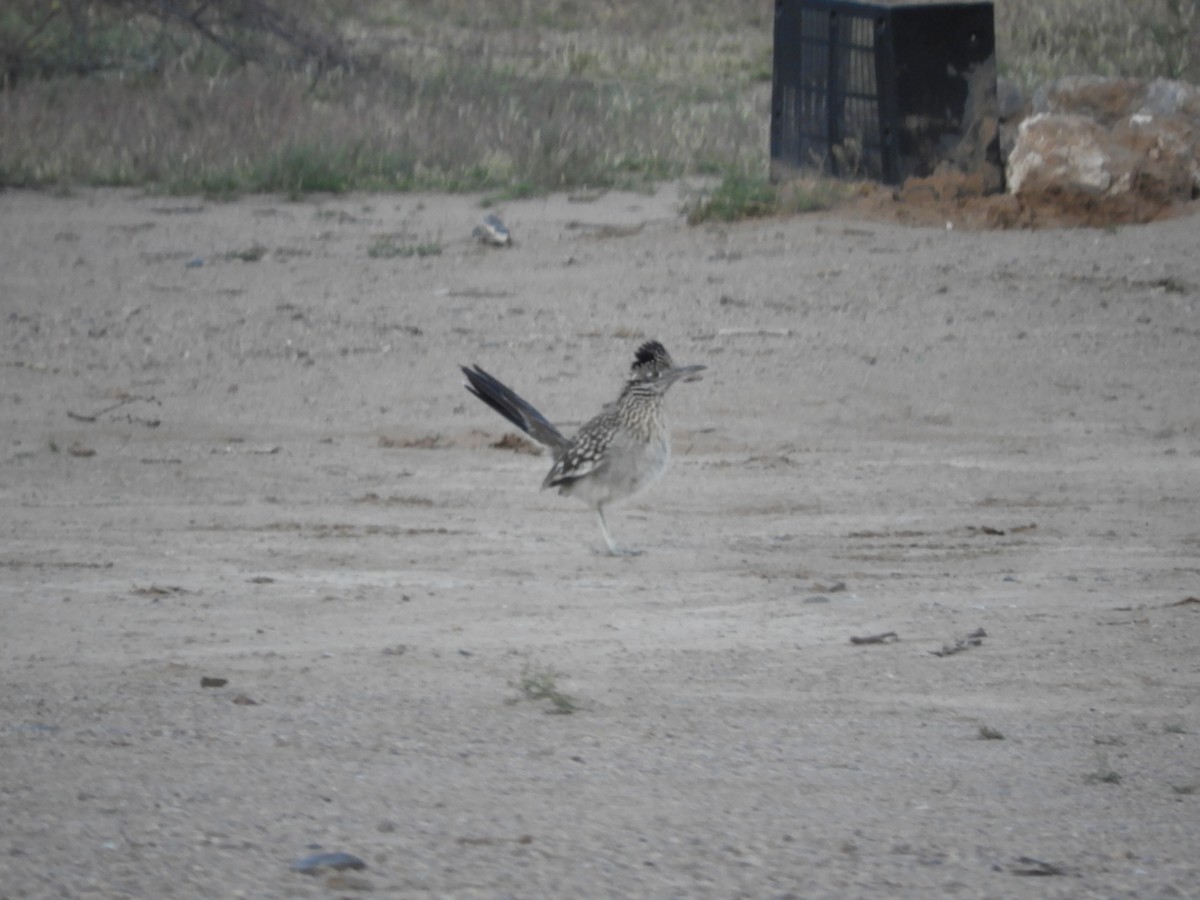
(506, 402)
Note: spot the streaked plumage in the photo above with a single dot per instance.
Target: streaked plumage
(617, 453)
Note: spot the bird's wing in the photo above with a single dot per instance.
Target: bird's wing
(586, 454)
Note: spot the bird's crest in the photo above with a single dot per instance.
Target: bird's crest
(650, 361)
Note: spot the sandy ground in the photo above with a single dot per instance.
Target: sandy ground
(265, 470)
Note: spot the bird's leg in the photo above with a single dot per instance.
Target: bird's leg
(613, 549)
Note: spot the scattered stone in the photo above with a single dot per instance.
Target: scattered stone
(1010, 101)
(493, 232)
(834, 588)
(338, 861)
(974, 639)
(985, 529)
(1085, 150)
(159, 590)
(1060, 152)
(1108, 101)
(208, 681)
(1127, 145)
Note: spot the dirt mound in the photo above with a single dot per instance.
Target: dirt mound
(958, 199)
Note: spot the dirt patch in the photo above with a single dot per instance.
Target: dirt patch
(960, 199)
(285, 613)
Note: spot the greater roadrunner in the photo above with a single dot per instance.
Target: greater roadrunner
(618, 452)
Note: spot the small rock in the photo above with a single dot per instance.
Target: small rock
(1116, 149)
(1098, 98)
(1010, 102)
(493, 231)
(338, 861)
(1060, 152)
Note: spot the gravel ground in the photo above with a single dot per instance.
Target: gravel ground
(269, 590)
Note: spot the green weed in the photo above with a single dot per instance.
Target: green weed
(542, 685)
(743, 196)
(738, 196)
(1103, 774)
(387, 246)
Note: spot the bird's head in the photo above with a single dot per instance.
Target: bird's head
(652, 365)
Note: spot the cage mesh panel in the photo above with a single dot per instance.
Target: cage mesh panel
(879, 89)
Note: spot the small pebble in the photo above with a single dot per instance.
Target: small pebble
(312, 865)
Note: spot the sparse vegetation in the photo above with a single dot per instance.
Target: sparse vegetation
(388, 246)
(224, 97)
(1103, 774)
(465, 96)
(1039, 40)
(738, 196)
(253, 253)
(743, 196)
(543, 685)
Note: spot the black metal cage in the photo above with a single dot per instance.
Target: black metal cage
(883, 90)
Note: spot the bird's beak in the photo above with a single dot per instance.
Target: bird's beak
(686, 373)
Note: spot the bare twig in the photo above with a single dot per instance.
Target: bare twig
(882, 638)
(267, 32)
(1027, 865)
(217, 20)
(974, 639)
(131, 398)
(1184, 602)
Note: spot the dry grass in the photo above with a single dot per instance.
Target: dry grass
(453, 96)
(262, 131)
(1040, 40)
(471, 94)
(741, 195)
